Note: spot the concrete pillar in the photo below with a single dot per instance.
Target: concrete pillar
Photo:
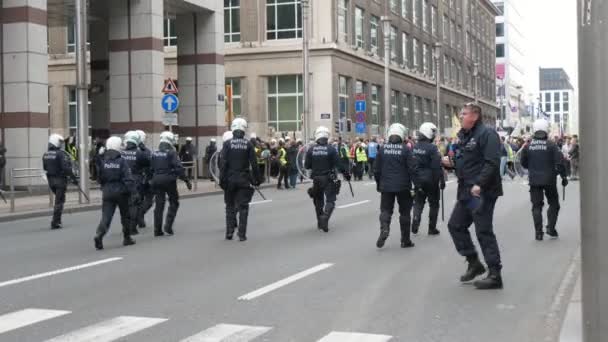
(136, 66)
(24, 118)
(100, 78)
(201, 75)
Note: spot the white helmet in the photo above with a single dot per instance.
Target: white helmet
(253, 135)
(213, 140)
(238, 124)
(321, 132)
(428, 130)
(113, 143)
(132, 137)
(56, 140)
(227, 136)
(167, 137)
(397, 129)
(189, 139)
(142, 136)
(541, 125)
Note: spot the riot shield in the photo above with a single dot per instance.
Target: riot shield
(300, 160)
(214, 167)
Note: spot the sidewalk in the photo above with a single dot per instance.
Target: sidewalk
(572, 328)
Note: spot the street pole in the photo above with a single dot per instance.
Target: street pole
(386, 25)
(592, 58)
(438, 84)
(305, 78)
(475, 74)
(82, 90)
(503, 105)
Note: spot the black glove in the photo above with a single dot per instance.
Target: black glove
(564, 181)
(347, 176)
(442, 185)
(189, 184)
(223, 184)
(256, 182)
(74, 180)
(378, 186)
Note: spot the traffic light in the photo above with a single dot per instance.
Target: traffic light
(337, 127)
(349, 125)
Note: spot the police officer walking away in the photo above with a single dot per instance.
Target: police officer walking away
(430, 177)
(139, 162)
(58, 166)
(544, 162)
(323, 160)
(395, 171)
(166, 169)
(147, 197)
(239, 173)
(117, 185)
(477, 165)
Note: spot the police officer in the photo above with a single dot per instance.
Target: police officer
(477, 164)
(145, 190)
(429, 175)
(139, 162)
(58, 166)
(239, 173)
(395, 172)
(372, 152)
(544, 162)
(116, 185)
(323, 160)
(166, 169)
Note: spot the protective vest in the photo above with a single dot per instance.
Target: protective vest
(361, 156)
(282, 156)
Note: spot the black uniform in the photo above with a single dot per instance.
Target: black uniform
(430, 180)
(187, 154)
(166, 169)
(145, 190)
(209, 152)
(58, 167)
(116, 184)
(323, 160)
(477, 162)
(395, 172)
(544, 162)
(139, 163)
(238, 172)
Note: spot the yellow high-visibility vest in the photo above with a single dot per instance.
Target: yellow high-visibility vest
(282, 155)
(361, 156)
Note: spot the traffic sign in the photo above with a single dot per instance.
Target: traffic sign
(359, 97)
(325, 116)
(360, 106)
(360, 117)
(170, 87)
(170, 103)
(170, 119)
(360, 127)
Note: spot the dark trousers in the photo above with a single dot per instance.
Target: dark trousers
(370, 163)
(430, 193)
(460, 221)
(324, 196)
(237, 200)
(161, 191)
(283, 177)
(358, 170)
(58, 186)
(387, 204)
(536, 197)
(108, 207)
(134, 204)
(262, 172)
(147, 201)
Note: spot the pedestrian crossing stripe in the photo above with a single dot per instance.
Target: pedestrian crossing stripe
(109, 330)
(228, 332)
(336, 336)
(19, 319)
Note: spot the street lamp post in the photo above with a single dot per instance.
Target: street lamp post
(306, 66)
(437, 55)
(82, 91)
(386, 26)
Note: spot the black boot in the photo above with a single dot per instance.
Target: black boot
(474, 269)
(98, 243)
(134, 230)
(158, 232)
(56, 226)
(539, 235)
(404, 225)
(552, 233)
(141, 223)
(324, 223)
(168, 230)
(382, 238)
(407, 244)
(434, 231)
(492, 281)
(128, 240)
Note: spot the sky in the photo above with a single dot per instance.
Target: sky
(550, 31)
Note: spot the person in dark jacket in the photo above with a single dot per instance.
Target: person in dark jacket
(477, 163)
(116, 185)
(209, 152)
(574, 157)
(292, 162)
(395, 172)
(544, 162)
(2, 163)
(166, 169)
(187, 155)
(323, 160)
(139, 163)
(429, 176)
(58, 166)
(239, 174)
(145, 190)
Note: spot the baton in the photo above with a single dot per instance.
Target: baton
(259, 192)
(82, 192)
(442, 209)
(564, 193)
(351, 188)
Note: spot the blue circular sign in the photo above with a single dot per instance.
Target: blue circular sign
(170, 103)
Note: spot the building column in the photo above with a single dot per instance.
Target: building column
(100, 77)
(24, 118)
(201, 75)
(137, 66)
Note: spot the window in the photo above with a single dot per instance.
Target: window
(404, 49)
(434, 20)
(427, 109)
(359, 87)
(405, 109)
(452, 33)
(453, 70)
(373, 34)
(375, 104)
(557, 107)
(446, 69)
(417, 111)
(468, 44)
(566, 100)
(394, 5)
(73, 112)
(425, 22)
(446, 29)
(343, 95)
(415, 12)
(500, 30)
(71, 45)
(547, 107)
(283, 19)
(501, 8)
(458, 36)
(500, 50)
(394, 96)
(342, 15)
(404, 8)
(232, 21)
(235, 85)
(425, 59)
(556, 97)
(415, 52)
(359, 27)
(394, 44)
(285, 102)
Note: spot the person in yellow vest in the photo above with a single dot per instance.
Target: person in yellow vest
(70, 148)
(283, 167)
(360, 160)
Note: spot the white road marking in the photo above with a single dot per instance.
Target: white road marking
(109, 330)
(450, 182)
(352, 204)
(56, 272)
(335, 336)
(259, 202)
(264, 290)
(369, 183)
(228, 333)
(19, 319)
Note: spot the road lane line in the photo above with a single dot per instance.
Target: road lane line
(109, 330)
(264, 290)
(259, 202)
(336, 336)
(228, 332)
(369, 183)
(352, 204)
(450, 182)
(56, 272)
(20, 319)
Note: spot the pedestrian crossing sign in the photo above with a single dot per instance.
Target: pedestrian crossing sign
(170, 87)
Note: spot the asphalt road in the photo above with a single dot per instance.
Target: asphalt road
(312, 286)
